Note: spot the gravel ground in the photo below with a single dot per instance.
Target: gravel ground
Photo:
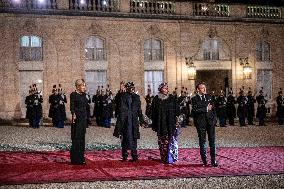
(49, 138)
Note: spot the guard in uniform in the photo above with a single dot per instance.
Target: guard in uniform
(37, 107)
(261, 109)
(242, 108)
(96, 101)
(62, 109)
(250, 107)
(29, 106)
(148, 99)
(182, 102)
(280, 107)
(88, 108)
(220, 103)
(230, 107)
(53, 101)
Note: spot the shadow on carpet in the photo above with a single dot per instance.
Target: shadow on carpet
(54, 166)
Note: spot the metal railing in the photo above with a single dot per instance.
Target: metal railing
(152, 7)
(263, 12)
(209, 9)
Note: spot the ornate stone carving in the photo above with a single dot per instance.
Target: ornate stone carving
(153, 30)
(212, 32)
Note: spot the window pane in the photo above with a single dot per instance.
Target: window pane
(99, 43)
(36, 53)
(25, 41)
(147, 44)
(156, 44)
(154, 79)
(35, 41)
(147, 55)
(25, 53)
(264, 79)
(89, 53)
(266, 51)
(90, 43)
(259, 52)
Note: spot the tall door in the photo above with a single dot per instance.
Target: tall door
(28, 78)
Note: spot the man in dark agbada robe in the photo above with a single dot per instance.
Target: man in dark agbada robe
(78, 108)
(128, 120)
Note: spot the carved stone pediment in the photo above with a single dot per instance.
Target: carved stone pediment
(212, 33)
(153, 30)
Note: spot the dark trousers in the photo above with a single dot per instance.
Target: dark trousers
(242, 121)
(124, 147)
(280, 120)
(222, 121)
(250, 119)
(261, 121)
(231, 120)
(210, 130)
(35, 123)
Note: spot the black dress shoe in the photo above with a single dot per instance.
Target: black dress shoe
(134, 160)
(214, 164)
(204, 163)
(124, 159)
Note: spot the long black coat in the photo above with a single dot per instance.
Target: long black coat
(230, 106)
(220, 103)
(242, 107)
(164, 112)
(122, 118)
(261, 109)
(280, 106)
(37, 107)
(250, 105)
(29, 106)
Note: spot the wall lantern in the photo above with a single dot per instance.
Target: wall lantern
(247, 69)
(191, 69)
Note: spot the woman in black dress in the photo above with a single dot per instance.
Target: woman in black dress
(78, 108)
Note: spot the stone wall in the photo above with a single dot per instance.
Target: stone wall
(64, 62)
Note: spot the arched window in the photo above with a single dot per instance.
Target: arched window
(153, 50)
(95, 49)
(211, 49)
(263, 51)
(30, 48)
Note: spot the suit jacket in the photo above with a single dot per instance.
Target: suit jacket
(199, 111)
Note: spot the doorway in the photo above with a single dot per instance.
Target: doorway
(215, 79)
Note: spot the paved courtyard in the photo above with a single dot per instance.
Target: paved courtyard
(22, 138)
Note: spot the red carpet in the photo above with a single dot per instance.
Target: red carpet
(47, 167)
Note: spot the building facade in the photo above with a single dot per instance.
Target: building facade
(49, 42)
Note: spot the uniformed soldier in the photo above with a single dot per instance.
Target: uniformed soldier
(37, 107)
(280, 107)
(53, 101)
(88, 108)
(182, 102)
(230, 106)
(62, 109)
(242, 108)
(107, 108)
(148, 98)
(220, 103)
(29, 106)
(261, 109)
(250, 107)
(175, 93)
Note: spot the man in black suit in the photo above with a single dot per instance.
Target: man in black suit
(204, 118)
